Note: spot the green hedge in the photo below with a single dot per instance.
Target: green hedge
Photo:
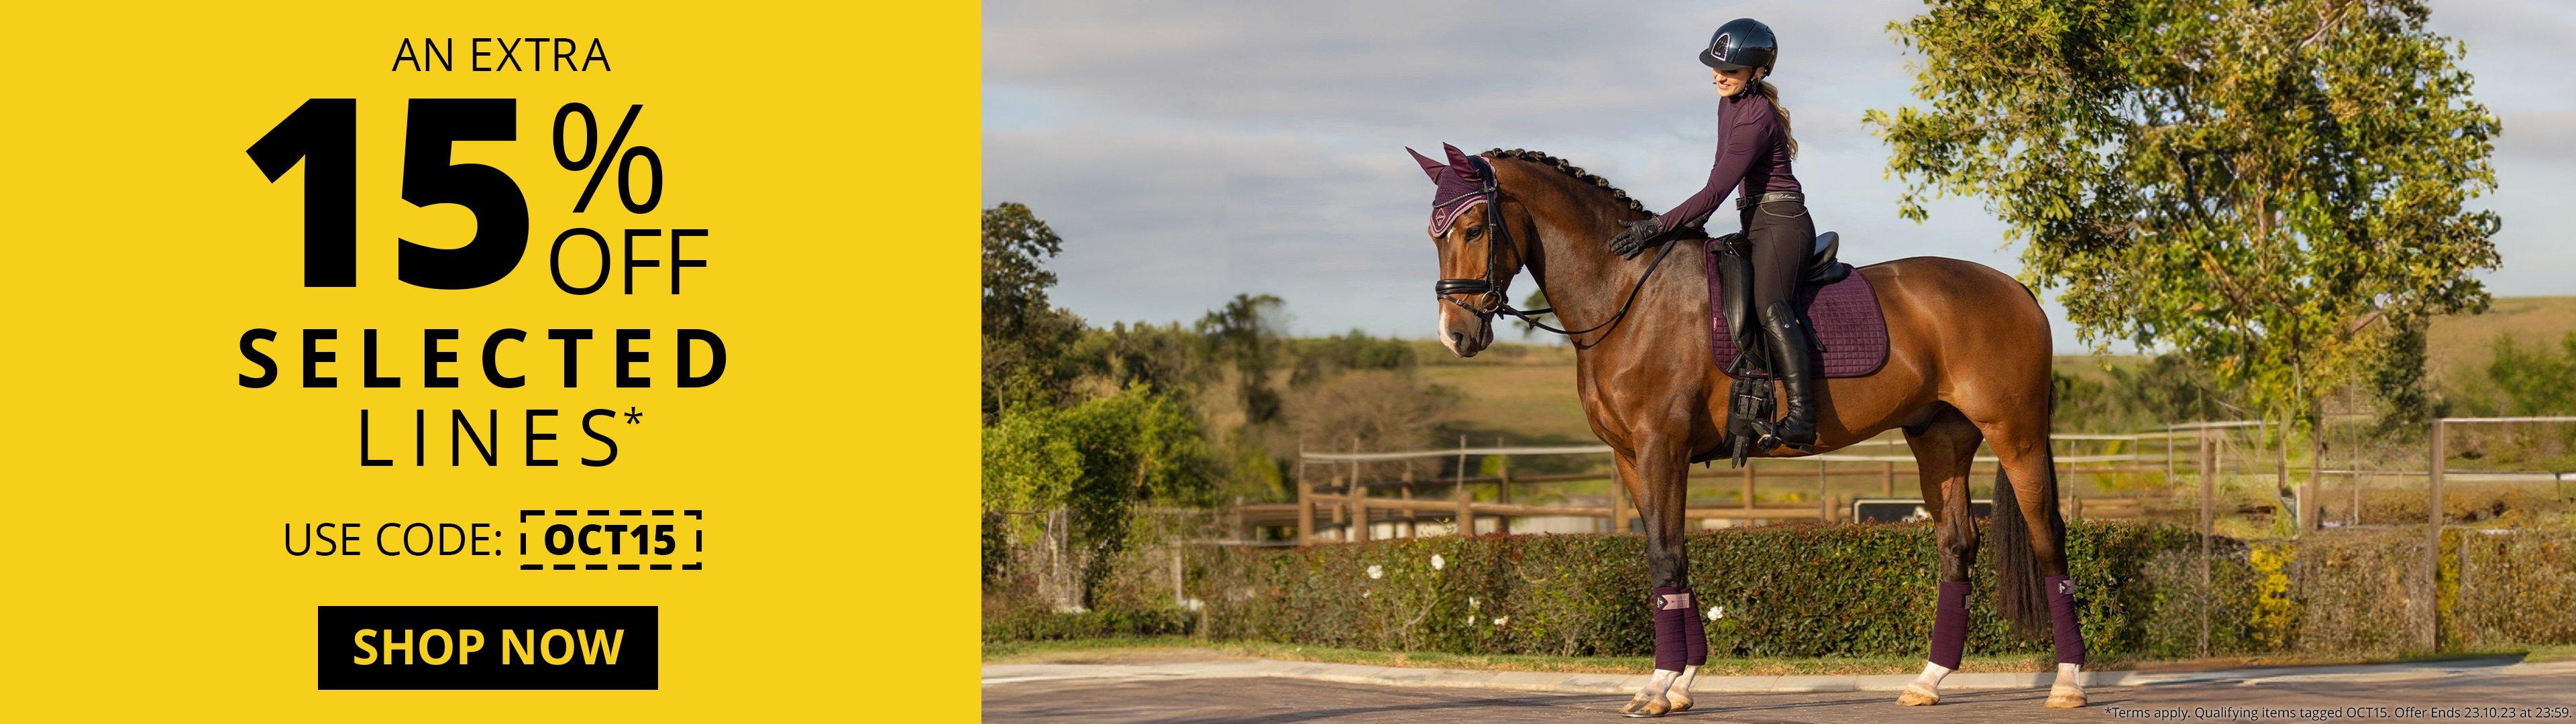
(2518, 588)
(1862, 590)
(2361, 591)
(1868, 590)
(1025, 624)
(1787, 591)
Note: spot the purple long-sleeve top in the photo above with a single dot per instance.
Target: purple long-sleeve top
(1752, 155)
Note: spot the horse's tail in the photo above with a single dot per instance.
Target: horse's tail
(2019, 594)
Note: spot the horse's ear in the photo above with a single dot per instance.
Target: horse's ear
(1429, 167)
(1457, 157)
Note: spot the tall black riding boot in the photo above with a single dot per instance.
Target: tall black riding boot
(1796, 370)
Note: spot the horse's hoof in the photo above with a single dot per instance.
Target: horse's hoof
(1680, 700)
(2066, 699)
(1918, 695)
(1648, 709)
(1635, 703)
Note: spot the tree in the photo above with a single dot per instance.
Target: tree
(2396, 377)
(2532, 381)
(1246, 332)
(2249, 183)
(1322, 358)
(1536, 299)
(2170, 388)
(1161, 357)
(1071, 478)
(1025, 337)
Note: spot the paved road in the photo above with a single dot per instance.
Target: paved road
(1178, 701)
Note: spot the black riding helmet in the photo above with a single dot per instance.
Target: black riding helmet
(1741, 43)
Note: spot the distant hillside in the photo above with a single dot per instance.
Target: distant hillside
(1525, 392)
(2463, 344)
(1522, 391)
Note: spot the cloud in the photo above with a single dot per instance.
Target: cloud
(1359, 67)
(2519, 53)
(1188, 151)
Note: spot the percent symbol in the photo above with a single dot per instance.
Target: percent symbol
(625, 162)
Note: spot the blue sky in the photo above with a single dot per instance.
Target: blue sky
(1188, 151)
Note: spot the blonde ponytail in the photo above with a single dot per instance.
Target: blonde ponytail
(1769, 91)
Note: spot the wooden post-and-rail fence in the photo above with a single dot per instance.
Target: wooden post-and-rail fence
(1340, 499)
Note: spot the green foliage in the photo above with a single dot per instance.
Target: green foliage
(2354, 591)
(1163, 358)
(2396, 378)
(1029, 624)
(1095, 462)
(1787, 591)
(1025, 337)
(1868, 590)
(2275, 614)
(1323, 358)
(2520, 587)
(1098, 457)
(2250, 183)
(1245, 332)
(2083, 404)
(2532, 381)
(1536, 299)
(2171, 388)
(2161, 390)
(2520, 380)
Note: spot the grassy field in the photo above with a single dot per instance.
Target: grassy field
(2463, 344)
(1177, 648)
(1524, 392)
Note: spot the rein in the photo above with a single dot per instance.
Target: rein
(1492, 286)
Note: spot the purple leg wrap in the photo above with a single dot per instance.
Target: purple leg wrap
(1671, 613)
(1950, 624)
(1694, 634)
(2061, 612)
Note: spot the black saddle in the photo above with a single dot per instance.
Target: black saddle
(1822, 267)
(1751, 399)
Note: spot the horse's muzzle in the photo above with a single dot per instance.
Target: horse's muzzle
(1465, 334)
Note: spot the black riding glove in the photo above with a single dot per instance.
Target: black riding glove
(1635, 237)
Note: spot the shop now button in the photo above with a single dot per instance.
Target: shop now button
(489, 647)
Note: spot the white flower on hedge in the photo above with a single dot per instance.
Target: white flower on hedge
(1500, 620)
(1376, 573)
(1436, 562)
(1717, 613)
(1472, 603)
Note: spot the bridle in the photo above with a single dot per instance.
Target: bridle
(1490, 291)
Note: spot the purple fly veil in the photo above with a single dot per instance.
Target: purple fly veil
(1459, 185)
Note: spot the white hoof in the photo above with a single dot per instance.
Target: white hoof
(1679, 694)
(2068, 692)
(1924, 690)
(1651, 700)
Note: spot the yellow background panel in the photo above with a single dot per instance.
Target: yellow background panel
(830, 151)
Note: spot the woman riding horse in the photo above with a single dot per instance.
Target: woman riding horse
(1753, 153)
(1968, 365)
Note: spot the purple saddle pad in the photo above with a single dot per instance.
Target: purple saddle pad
(1851, 334)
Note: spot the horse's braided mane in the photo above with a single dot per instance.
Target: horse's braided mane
(1564, 167)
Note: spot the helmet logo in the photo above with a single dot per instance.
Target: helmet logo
(1718, 47)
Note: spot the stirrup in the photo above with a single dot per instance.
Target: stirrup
(1748, 412)
(1771, 439)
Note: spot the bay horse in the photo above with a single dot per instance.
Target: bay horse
(1968, 362)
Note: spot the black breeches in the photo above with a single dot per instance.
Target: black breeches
(1783, 236)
